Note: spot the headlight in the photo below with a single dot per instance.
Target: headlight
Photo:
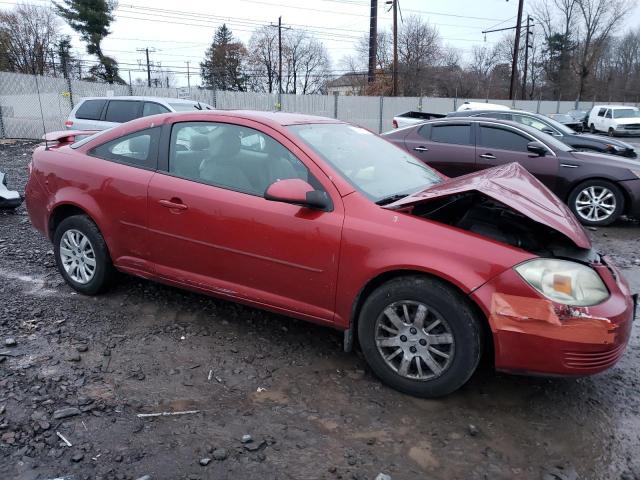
(565, 282)
(614, 147)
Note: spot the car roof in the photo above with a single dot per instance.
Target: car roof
(143, 98)
(613, 107)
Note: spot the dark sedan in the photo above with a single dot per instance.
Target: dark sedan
(598, 188)
(583, 142)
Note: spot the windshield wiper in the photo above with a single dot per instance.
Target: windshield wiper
(392, 198)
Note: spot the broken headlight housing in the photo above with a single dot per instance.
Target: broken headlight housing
(562, 281)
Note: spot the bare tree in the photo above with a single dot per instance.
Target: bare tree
(28, 38)
(599, 18)
(419, 48)
(263, 60)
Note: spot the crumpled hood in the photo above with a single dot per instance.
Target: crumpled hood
(514, 186)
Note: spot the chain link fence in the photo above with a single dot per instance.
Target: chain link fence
(31, 105)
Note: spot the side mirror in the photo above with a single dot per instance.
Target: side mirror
(298, 192)
(550, 131)
(538, 148)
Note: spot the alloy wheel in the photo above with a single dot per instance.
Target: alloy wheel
(414, 340)
(77, 256)
(595, 203)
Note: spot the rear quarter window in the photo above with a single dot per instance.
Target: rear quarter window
(139, 149)
(90, 109)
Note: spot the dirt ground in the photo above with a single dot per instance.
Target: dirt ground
(85, 367)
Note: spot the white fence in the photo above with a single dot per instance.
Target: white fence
(31, 104)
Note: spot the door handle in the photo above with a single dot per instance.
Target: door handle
(489, 156)
(569, 165)
(421, 149)
(174, 204)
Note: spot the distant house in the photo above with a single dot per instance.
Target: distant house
(352, 83)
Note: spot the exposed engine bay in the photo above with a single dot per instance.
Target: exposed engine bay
(477, 213)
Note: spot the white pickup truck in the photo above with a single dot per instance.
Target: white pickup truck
(412, 117)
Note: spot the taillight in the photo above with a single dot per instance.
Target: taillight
(68, 123)
(395, 124)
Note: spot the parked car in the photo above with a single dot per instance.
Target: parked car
(582, 142)
(615, 120)
(481, 106)
(580, 116)
(568, 121)
(100, 113)
(330, 223)
(9, 199)
(413, 117)
(598, 188)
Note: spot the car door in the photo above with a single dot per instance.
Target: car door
(607, 120)
(213, 230)
(446, 146)
(497, 144)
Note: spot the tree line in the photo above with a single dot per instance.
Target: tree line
(575, 51)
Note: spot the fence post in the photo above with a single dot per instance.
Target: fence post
(70, 92)
(558, 104)
(420, 104)
(214, 98)
(455, 103)
(335, 104)
(2, 132)
(380, 114)
(538, 105)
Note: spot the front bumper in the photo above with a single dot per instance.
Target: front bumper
(534, 335)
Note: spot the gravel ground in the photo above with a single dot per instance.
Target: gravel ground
(85, 367)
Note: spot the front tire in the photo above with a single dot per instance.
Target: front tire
(82, 256)
(592, 128)
(612, 132)
(420, 336)
(597, 202)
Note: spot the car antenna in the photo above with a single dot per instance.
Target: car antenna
(44, 128)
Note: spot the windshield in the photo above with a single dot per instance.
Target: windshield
(371, 164)
(189, 107)
(626, 113)
(550, 140)
(559, 126)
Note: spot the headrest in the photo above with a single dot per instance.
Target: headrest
(199, 142)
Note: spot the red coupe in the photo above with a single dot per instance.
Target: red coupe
(327, 222)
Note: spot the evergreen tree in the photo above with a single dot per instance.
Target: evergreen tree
(91, 19)
(223, 66)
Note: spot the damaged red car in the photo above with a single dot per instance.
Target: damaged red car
(327, 222)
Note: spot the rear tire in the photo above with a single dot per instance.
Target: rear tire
(82, 256)
(592, 128)
(596, 202)
(420, 336)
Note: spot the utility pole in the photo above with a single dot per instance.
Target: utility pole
(279, 56)
(526, 58)
(395, 47)
(188, 78)
(373, 41)
(516, 48)
(146, 51)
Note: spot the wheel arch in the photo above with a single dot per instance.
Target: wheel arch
(380, 279)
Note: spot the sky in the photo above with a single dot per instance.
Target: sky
(179, 32)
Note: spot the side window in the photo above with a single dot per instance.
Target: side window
(151, 108)
(499, 116)
(608, 114)
(121, 111)
(601, 112)
(425, 131)
(231, 156)
(90, 109)
(136, 149)
(532, 122)
(500, 138)
(455, 134)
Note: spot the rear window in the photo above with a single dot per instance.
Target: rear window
(90, 109)
(121, 111)
(189, 107)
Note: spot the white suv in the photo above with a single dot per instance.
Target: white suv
(100, 113)
(615, 120)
